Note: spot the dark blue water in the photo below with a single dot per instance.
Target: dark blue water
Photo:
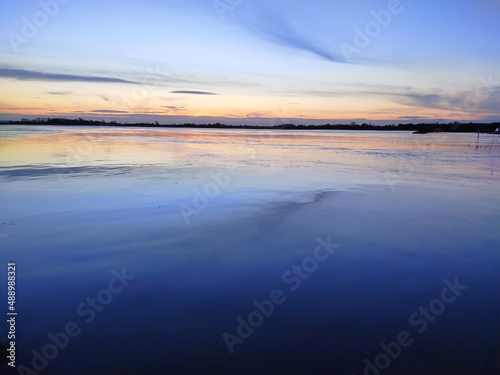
(226, 252)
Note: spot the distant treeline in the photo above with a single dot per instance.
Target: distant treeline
(420, 128)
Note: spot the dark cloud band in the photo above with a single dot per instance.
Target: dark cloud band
(190, 92)
(30, 75)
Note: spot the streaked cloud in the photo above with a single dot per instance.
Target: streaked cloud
(413, 118)
(256, 114)
(32, 75)
(423, 100)
(59, 92)
(174, 108)
(193, 92)
(273, 26)
(107, 111)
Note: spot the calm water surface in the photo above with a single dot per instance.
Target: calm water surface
(187, 251)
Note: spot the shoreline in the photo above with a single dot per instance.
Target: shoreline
(421, 128)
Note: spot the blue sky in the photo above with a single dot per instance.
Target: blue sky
(251, 62)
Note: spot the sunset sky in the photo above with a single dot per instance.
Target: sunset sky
(251, 62)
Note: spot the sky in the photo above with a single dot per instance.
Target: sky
(251, 62)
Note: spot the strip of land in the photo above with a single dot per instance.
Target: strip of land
(420, 128)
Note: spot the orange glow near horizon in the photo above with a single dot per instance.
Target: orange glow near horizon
(114, 101)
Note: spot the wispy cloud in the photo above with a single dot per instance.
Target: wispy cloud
(193, 92)
(413, 118)
(418, 98)
(256, 114)
(107, 111)
(59, 92)
(424, 100)
(174, 109)
(31, 75)
(272, 26)
(464, 101)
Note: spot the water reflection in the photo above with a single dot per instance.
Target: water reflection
(408, 212)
